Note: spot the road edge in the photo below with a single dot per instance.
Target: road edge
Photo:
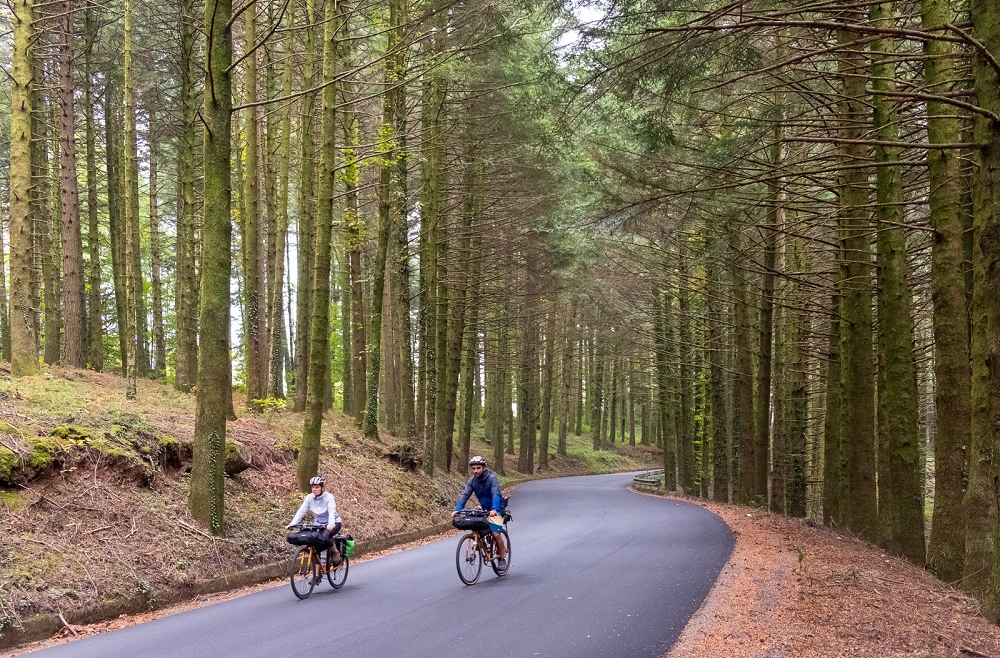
(44, 626)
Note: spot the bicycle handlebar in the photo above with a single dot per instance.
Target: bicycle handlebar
(473, 512)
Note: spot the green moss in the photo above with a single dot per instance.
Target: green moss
(232, 451)
(8, 465)
(12, 500)
(168, 443)
(71, 433)
(43, 451)
(7, 428)
(115, 449)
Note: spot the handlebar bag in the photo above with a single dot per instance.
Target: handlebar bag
(304, 538)
(477, 523)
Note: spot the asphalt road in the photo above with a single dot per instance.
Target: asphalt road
(596, 571)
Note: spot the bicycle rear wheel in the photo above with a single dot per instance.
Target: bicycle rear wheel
(301, 571)
(506, 541)
(337, 574)
(468, 559)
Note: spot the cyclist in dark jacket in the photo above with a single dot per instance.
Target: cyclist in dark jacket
(486, 486)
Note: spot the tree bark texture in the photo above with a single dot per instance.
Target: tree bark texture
(213, 402)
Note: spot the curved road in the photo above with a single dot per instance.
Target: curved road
(596, 571)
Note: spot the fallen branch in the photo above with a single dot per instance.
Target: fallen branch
(191, 528)
(66, 623)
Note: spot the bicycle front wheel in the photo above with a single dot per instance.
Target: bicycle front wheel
(468, 559)
(506, 541)
(302, 570)
(337, 574)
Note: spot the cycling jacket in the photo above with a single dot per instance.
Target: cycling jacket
(486, 486)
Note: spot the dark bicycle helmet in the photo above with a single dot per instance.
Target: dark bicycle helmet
(317, 480)
(477, 461)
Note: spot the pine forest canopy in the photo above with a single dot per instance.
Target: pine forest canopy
(764, 237)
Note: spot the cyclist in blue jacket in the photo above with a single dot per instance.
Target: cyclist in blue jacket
(486, 486)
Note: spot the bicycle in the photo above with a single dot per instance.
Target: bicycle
(478, 546)
(306, 569)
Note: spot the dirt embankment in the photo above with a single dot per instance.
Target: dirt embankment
(797, 590)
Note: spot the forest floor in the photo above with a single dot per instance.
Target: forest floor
(793, 589)
(95, 514)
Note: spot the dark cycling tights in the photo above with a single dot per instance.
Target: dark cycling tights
(325, 534)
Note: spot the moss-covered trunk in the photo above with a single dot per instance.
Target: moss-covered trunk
(986, 204)
(276, 320)
(24, 349)
(306, 214)
(857, 369)
(717, 363)
(743, 443)
(72, 240)
(319, 341)
(946, 550)
(186, 287)
(901, 493)
(95, 325)
(254, 250)
(206, 498)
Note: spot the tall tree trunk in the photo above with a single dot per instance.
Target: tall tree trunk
(901, 493)
(72, 275)
(471, 394)
(986, 204)
(24, 349)
(206, 498)
(319, 343)
(597, 389)
(527, 397)
(396, 74)
(48, 232)
(953, 396)
(857, 371)
(159, 340)
(133, 274)
(796, 415)
(685, 421)
(665, 372)
(833, 471)
(307, 212)
(95, 328)
(356, 368)
(631, 402)
(496, 375)
(254, 249)
(116, 228)
(615, 376)
(547, 387)
(744, 443)
(186, 293)
(716, 359)
(568, 378)
(276, 321)
(370, 426)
